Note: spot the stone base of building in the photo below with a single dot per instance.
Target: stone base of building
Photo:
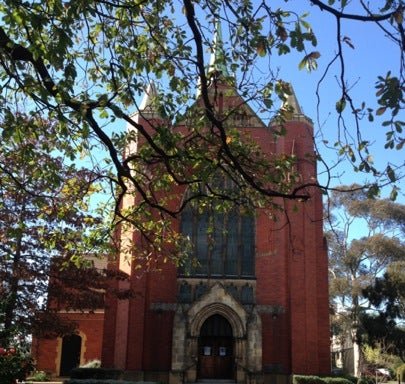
(181, 377)
(271, 378)
(147, 376)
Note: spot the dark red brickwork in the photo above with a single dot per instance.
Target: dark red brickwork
(291, 272)
(47, 352)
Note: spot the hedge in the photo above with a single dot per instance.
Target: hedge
(336, 380)
(300, 379)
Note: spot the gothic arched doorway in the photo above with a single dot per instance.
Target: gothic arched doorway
(215, 349)
(70, 357)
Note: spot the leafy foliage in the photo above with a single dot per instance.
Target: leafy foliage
(379, 356)
(44, 217)
(39, 376)
(85, 63)
(301, 379)
(15, 360)
(378, 330)
(388, 295)
(356, 263)
(366, 273)
(388, 292)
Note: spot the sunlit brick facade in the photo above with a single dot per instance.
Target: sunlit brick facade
(253, 311)
(256, 308)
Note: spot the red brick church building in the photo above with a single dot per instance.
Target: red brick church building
(254, 309)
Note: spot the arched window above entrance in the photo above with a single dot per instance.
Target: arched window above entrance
(222, 241)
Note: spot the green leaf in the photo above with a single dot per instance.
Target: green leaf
(305, 24)
(373, 191)
(400, 144)
(268, 102)
(394, 193)
(340, 105)
(302, 63)
(380, 111)
(391, 174)
(398, 126)
(261, 47)
(309, 61)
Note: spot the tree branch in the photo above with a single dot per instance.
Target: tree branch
(351, 16)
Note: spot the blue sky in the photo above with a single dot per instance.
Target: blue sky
(373, 55)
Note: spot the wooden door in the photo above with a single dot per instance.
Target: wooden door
(216, 358)
(216, 349)
(70, 357)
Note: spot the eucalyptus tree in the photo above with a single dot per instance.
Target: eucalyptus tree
(366, 259)
(385, 327)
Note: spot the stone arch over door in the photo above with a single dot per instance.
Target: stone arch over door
(237, 321)
(188, 320)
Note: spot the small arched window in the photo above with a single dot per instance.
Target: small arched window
(222, 243)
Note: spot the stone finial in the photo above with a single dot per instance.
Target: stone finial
(292, 109)
(292, 102)
(147, 110)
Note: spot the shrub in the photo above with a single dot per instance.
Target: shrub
(39, 376)
(336, 380)
(366, 380)
(352, 379)
(14, 364)
(300, 379)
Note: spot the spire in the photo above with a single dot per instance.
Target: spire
(148, 103)
(217, 67)
(217, 60)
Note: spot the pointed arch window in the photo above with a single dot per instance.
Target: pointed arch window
(222, 243)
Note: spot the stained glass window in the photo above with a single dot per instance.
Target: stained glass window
(222, 243)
